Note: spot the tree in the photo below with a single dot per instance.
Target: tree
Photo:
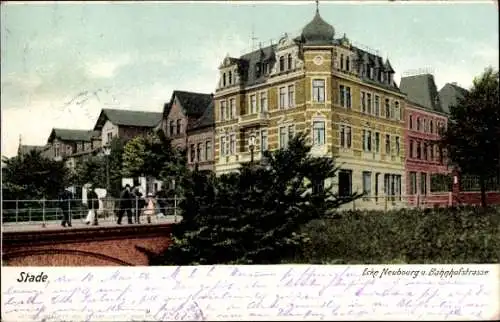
(253, 216)
(472, 136)
(134, 155)
(32, 176)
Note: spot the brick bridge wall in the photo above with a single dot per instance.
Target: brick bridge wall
(94, 246)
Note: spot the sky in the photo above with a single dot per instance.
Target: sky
(62, 62)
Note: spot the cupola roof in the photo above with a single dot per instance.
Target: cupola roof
(318, 31)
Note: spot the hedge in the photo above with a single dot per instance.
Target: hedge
(446, 235)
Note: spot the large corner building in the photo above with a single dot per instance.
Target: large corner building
(343, 96)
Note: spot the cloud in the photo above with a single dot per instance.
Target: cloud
(106, 68)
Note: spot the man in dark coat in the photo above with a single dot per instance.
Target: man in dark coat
(65, 201)
(125, 205)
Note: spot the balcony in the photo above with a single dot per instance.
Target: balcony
(254, 119)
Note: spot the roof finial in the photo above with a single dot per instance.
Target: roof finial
(317, 6)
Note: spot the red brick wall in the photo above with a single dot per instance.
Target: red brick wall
(428, 166)
(85, 247)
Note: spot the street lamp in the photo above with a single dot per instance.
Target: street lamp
(251, 145)
(107, 151)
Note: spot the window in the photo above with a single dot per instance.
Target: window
(282, 63)
(369, 103)
(345, 183)
(425, 125)
(318, 186)
(230, 80)
(398, 147)
(418, 124)
(413, 183)
(377, 177)
(342, 62)
(263, 101)
(258, 69)
(291, 132)
(192, 153)
(263, 140)
(377, 142)
(319, 132)
(253, 104)
(109, 136)
(179, 124)
(282, 97)
(199, 148)
(371, 73)
(232, 146)
(387, 184)
(223, 146)
(367, 140)
(222, 110)
(347, 65)
(291, 96)
(387, 108)
(387, 144)
(232, 108)
(411, 152)
(363, 102)
(319, 90)
(367, 183)
(342, 100)
(208, 150)
(431, 126)
(224, 80)
(419, 150)
(431, 152)
(56, 150)
(377, 105)
(423, 183)
(172, 128)
(425, 151)
(283, 137)
(345, 136)
(411, 122)
(397, 111)
(290, 61)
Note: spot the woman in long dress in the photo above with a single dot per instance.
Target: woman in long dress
(150, 207)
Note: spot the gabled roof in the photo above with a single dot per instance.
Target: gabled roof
(25, 149)
(421, 90)
(450, 94)
(128, 118)
(71, 135)
(193, 104)
(206, 120)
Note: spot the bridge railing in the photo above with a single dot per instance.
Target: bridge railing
(15, 212)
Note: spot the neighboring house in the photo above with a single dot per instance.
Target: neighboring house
(188, 120)
(427, 174)
(26, 149)
(71, 145)
(125, 124)
(344, 96)
(450, 95)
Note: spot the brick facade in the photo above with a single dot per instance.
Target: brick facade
(423, 157)
(107, 246)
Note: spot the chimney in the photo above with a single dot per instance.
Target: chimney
(454, 83)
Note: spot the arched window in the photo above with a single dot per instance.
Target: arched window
(230, 77)
(341, 62)
(411, 122)
(289, 61)
(224, 80)
(347, 67)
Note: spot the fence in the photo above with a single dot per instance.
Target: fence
(389, 202)
(49, 211)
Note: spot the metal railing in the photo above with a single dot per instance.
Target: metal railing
(390, 202)
(45, 212)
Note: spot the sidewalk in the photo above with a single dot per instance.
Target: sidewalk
(79, 224)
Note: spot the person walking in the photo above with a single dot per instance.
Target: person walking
(93, 203)
(151, 206)
(125, 205)
(65, 200)
(139, 204)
